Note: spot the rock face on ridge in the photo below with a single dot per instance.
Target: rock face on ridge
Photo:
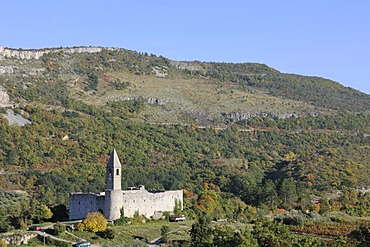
(36, 54)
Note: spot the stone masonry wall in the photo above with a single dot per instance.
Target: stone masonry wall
(148, 203)
(82, 203)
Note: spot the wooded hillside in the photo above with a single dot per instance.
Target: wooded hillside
(305, 138)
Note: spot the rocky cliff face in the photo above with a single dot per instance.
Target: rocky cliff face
(36, 54)
(7, 69)
(4, 97)
(239, 116)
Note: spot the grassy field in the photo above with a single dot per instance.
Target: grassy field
(149, 231)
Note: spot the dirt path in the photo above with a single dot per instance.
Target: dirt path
(45, 235)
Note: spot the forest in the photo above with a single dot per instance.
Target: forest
(316, 166)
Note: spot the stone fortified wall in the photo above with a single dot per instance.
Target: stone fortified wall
(132, 200)
(147, 203)
(36, 54)
(82, 203)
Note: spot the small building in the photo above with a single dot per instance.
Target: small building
(134, 199)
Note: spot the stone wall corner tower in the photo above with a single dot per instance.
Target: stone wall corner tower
(113, 192)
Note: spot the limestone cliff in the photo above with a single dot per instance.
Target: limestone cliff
(36, 54)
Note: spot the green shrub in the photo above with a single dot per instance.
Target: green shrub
(59, 228)
(296, 219)
(107, 234)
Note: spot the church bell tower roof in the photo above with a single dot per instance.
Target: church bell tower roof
(113, 161)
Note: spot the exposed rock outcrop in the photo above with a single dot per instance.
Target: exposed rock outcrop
(151, 101)
(4, 97)
(7, 69)
(239, 116)
(19, 239)
(155, 101)
(186, 65)
(36, 54)
(160, 71)
(15, 119)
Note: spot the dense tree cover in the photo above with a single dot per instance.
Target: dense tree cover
(267, 233)
(360, 237)
(348, 122)
(23, 214)
(226, 173)
(264, 233)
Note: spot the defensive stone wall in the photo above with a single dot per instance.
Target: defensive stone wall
(82, 203)
(147, 203)
(135, 199)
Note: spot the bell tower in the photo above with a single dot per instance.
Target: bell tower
(113, 173)
(113, 192)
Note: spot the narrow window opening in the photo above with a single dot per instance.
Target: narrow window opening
(117, 172)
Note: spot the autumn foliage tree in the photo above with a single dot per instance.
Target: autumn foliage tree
(94, 222)
(41, 212)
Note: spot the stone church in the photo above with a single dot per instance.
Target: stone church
(110, 202)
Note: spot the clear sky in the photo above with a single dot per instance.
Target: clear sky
(327, 38)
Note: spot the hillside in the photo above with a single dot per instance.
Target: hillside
(230, 134)
(176, 92)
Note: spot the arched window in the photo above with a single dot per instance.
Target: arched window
(117, 172)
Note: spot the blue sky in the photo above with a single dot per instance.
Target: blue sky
(324, 38)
